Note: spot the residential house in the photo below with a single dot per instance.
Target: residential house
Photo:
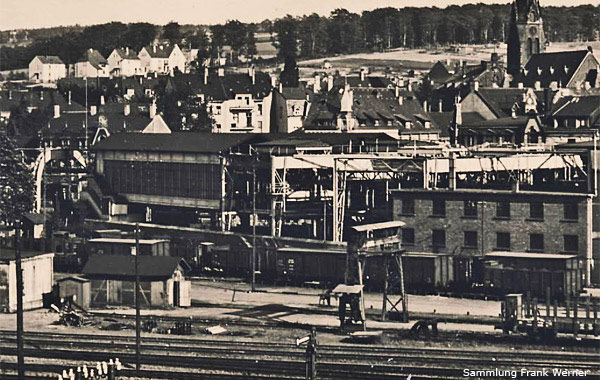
(236, 102)
(373, 110)
(289, 109)
(124, 62)
(162, 59)
(92, 65)
(46, 69)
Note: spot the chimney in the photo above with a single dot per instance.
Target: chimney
(253, 74)
(520, 85)
(56, 111)
(452, 171)
(587, 86)
(458, 116)
(221, 71)
(317, 85)
(409, 88)
(425, 106)
(401, 100)
(141, 80)
(513, 112)
(126, 109)
(363, 73)
(101, 100)
(280, 87)
(153, 109)
(538, 85)
(329, 82)
(42, 95)
(206, 75)
(440, 106)
(93, 110)
(397, 91)
(127, 51)
(154, 48)
(476, 86)
(69, 96)
(9, 94)
(554, 85)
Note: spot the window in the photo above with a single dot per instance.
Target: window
(217, 110)
(503, 240)
(438, 238)
(536, 210)
(571, 212)
(470, 240)
(408, 207)
(439, 207)
(571, 243)
(408, 236)
(470, 209)
(503, 210)
(536, 242)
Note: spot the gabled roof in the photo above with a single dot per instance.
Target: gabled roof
(157, 125)
(439, 72)
(501, 100)
(123, 54)
(154, 267)
(221, 87)
(295, 93)
(161, 51)
(556, 67)
(94, 58)
(50, 59)
(191, 142)
(577, 106)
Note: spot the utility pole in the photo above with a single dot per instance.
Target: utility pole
(86, 124)
(138, 338)
(253, 227)
(18, 268)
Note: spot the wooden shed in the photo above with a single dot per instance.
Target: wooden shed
(77, 287)
(162, 280)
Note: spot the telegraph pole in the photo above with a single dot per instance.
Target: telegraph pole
(138, 337)
(18, 268)
(253, 227)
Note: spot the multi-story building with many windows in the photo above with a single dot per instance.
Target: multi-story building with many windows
(478, 222)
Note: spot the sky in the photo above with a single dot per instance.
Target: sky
(15, 14)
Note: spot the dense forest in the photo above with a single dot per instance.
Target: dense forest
(311, 36)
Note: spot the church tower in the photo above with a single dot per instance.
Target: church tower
(525, 34)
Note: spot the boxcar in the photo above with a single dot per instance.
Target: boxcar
(297, 265)
(536, 273)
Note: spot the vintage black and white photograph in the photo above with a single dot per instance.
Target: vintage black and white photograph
(299, 189)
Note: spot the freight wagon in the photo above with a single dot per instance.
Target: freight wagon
(536, 273)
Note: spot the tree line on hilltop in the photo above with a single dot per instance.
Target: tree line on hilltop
(312, 36)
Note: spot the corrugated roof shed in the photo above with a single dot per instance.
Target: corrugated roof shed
(113, 266)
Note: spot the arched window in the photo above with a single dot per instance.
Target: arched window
(537, 46)
(529, 47)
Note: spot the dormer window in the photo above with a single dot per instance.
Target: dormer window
(408, 125)
(427, 124)
(566, 69)
(539, 71)
(376, 123)
(551, 70)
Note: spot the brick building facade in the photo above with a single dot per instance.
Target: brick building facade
(475, 222)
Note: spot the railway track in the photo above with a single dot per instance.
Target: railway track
(283, 360)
